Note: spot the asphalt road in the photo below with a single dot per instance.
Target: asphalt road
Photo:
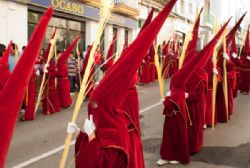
(38, 143)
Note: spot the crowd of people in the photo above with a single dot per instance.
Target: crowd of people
(202, 91)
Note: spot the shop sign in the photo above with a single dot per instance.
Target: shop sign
(83, 10)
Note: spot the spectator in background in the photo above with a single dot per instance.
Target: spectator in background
(2, 49)
(72, 72)
(14, 56)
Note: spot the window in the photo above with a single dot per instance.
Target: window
(115, 30)
(102, 42)
(67, 30)
(182, 6)
(126, 38)
(190, 8)
(139, 23)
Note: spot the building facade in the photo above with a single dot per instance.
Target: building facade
(71, 18)
(181, 19)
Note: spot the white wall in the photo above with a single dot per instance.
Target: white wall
(91, 29)
(108, 37)
(121, 38)
(13, 23)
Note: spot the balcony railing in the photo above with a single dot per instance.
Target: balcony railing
(126, 7)
(163, 2)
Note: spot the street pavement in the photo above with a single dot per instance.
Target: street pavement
(38, 143)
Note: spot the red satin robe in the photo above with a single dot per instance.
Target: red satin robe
(63, 86)
(93, 155)
(131, 109)
(110, 147)
(196, 104)
(50, 97)
(223, 114)
(175, 133)
(145, 71)
(245, 75)
(209, 96)
(30, 102)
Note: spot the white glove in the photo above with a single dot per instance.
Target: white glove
(186, 95)
(168, 94)
(89, 126)
(45, 70)
(225, 56)
(215, 71)
(248, 58)
(234, 55)
(72, 128)
(37, 73)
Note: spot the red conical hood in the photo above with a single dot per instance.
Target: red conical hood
(5, 73)
(231, 34)
(65, 55)
(12, 94)
(46, 54)
(86, 59)
(111, 52)
(246, 47)
(6, 54)
(148, 20)
(181, 77)
(115, 84)
(192, 45)
(165, 48)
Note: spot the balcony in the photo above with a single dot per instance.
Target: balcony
(127, 8)
(158, 3)
(94, 3)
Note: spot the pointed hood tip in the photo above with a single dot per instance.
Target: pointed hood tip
(67, 52)
(49, 11)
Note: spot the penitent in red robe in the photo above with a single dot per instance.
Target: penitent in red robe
(223, 114)
(209, 96)
(50, 98)
(63, 86)
(131, 109)
(245, 75)
(30, 101)
(145, 71)
(175, 134)
(196, 104)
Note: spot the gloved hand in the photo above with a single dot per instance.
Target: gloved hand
(215, 71)
(234, 55)
(168, 94)
(72, 128)
(37, 73)
(45, 70)
(89, 126)
(225, 56)
(248, 58)
(186, 95)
